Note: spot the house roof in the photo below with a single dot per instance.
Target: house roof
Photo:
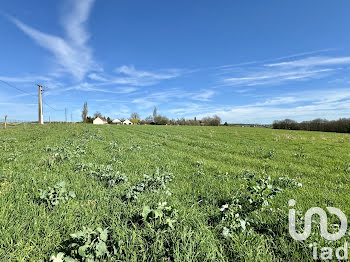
(116, 120)
(102, 118)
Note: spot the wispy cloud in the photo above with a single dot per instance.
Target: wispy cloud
(306, 105)
(130, 71)
(313, 61)
(175, 96)
(24, 79)
(205, 95)
(71, 52)
(88, 87)
(130, 76)
(275, 77)
(277, 73)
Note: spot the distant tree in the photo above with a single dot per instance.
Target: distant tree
(109, 120)
(216, 120)
(97, 114)
(154, 114)
(135, 118)
(341, 125)
(181, 121)
(84, 113)
(225, 124)
(89, 119)
(211, 121)
(149, 120)
(161, 120)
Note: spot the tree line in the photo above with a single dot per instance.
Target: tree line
(154, 119)
(341, 125)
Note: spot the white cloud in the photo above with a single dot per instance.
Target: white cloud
(313, 61)
(74, 20)
(132, 72)
(88, 87)
(204, 95)
(97, 77)
(171, 95)
(71, 53)
(129, 75)
(330, 104)
(276, 73)
(264, 77)
(24, 79)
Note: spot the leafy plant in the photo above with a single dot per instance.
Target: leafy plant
(231, 219)
(152, 183)
(300, 153)
(83, 167)
(112, 179)
(254, 195)
(56, 195)
(258, 191)
(286, 182)
(108, 176)
(162, 217)
(136, 147)
(114, 146)
(13, 156)
(271, 154)
(87, 245)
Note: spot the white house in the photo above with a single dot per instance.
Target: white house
(100, 121)
(127, 122)
(117, 121)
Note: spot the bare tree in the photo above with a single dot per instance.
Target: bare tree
(211, 121)
(135, 117)
(97, 114)
(84, 113)
(149, 120)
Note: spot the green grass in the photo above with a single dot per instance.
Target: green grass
(206, 163)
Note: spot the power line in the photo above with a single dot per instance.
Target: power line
(10, 85)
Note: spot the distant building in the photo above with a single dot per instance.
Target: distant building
(117, 121)
(127, 122)
(100, 121)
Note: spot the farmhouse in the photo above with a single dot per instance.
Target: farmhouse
(100, 121)
(117, 121)
(127, 122)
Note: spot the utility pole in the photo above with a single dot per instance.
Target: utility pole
(65, 112)
(5, 121)
(41, 118)
(49, 119)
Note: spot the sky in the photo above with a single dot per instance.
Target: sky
(246, 61)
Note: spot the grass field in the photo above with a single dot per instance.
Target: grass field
(220, 204)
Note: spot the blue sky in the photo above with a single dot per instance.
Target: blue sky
(246, 61)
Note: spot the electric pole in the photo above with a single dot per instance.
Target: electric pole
(41, 118)
(5, 121)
